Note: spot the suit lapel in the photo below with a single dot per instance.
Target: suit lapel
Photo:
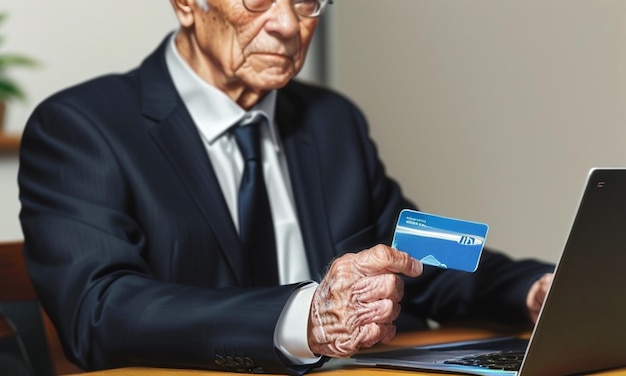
(304, 172)
(178, 139)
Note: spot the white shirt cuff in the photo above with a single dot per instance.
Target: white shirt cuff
(291, 334)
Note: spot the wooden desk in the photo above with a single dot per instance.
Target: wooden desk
(401, 340)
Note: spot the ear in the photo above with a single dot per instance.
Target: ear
(184, 11)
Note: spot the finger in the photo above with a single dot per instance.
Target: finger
(371, 334)
(544, 286)
(364, 336)
(534, 316)
(374, 335)
(540, 296)
(388, 331)
(547, 281)
(380, 311)
(383, 286)
(537, 295)
(383, 333)
(382, 259)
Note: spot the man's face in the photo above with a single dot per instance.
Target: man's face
(235, 47)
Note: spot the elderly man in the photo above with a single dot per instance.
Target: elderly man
(179, 215)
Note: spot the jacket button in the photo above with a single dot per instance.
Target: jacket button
(249, 363)
(219, 360)
(230, 362)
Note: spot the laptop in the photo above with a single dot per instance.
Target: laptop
(582, 325)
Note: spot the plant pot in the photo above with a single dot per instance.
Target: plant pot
(2, 111)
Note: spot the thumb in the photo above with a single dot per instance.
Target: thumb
(382, 259)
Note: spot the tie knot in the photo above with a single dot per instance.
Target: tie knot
(248, 137)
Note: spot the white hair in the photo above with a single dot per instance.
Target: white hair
(203, 4)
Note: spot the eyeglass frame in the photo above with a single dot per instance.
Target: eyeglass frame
(323, 5)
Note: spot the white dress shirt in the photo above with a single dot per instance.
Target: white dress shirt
(214, 114)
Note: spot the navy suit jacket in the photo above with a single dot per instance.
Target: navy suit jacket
(133, 251)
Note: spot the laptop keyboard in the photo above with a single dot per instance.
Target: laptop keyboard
(504, 360)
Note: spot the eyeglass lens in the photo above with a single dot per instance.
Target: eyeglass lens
(307, 8)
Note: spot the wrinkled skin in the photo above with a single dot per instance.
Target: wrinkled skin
(244, 54)
(357, 301)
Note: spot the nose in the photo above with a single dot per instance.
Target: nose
(283, 19)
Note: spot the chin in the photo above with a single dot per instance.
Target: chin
(273, 81)
(267, 72)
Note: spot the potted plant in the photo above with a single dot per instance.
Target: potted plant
(9, 89)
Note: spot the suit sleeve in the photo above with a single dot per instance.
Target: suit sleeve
(86, 256)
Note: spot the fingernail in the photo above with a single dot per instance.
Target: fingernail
(417, 267)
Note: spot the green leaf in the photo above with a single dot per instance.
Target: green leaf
(8, 60)
(9, 90)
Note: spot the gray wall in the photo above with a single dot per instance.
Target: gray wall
(490, 110)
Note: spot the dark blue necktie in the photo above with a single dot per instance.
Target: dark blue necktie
(256, 228)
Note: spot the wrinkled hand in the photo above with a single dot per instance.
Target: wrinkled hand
(537, 294)
(355, 304)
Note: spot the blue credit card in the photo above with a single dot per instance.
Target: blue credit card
(447, 243)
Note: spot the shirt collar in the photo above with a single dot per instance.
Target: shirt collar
(213, 112)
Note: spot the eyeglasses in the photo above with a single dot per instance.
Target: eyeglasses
(305, 8)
